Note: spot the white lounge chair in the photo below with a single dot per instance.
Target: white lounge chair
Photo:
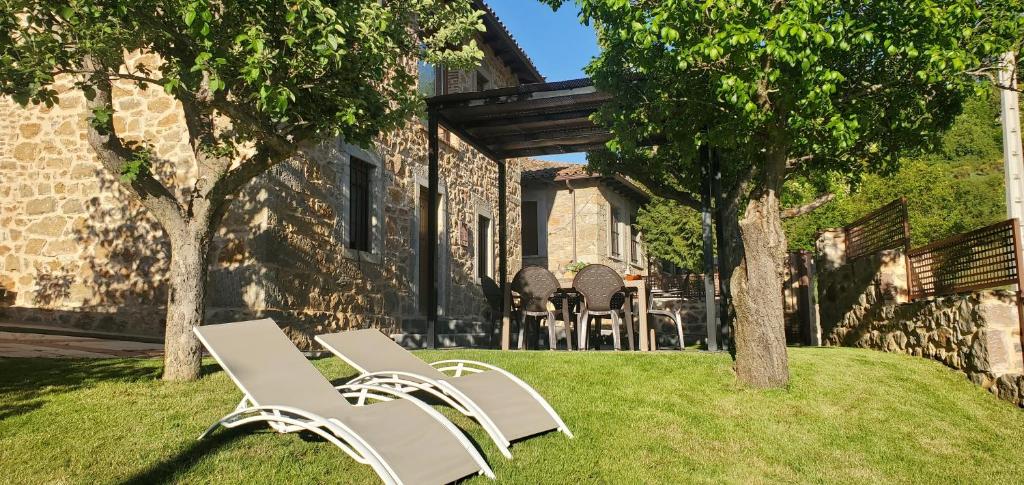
(404, 440)
(505, 406)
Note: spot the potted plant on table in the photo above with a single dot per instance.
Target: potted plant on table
(574, 267)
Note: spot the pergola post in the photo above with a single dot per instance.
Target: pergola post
(724, 291)
(430, 285)
(506, 295)
(709, 256)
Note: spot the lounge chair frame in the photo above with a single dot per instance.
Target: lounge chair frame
(449, 394)
(286, 419)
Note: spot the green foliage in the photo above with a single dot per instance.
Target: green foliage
(305, 69)
(575, 266)
(855, 85)
(954, 188)
(672, 232)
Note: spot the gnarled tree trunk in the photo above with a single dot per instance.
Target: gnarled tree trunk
(760, 337)
(186, 300)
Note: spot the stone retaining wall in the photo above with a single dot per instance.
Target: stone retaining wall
(863, 303)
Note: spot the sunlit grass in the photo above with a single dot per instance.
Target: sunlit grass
(852, 416)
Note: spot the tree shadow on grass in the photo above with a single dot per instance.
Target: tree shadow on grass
(167, 471)
(427, 398)
(27, 384)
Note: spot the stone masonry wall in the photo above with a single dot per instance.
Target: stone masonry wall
(863, 303)
(75, 251)
(592, 201)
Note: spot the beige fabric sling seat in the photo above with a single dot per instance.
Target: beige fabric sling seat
(403, 439)
(505, 406)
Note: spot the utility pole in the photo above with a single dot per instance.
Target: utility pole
(1012, 152)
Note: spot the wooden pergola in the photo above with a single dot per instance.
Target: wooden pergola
(521, 121)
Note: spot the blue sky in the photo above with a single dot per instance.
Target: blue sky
(559, 46)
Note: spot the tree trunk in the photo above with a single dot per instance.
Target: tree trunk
(186, 301)
(760, 336)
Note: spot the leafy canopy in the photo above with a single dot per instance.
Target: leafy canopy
(302, 69)
(956, 187)
(852, 84)
(672, 232)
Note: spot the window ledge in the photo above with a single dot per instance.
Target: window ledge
(361, 256)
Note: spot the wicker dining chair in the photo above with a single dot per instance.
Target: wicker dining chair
(536, 286)
(602, 291)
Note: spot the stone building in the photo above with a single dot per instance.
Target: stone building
(571, 215)
(329, 241)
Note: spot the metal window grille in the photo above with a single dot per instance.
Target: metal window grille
(359, 204)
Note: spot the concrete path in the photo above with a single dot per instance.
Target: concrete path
(17, 344)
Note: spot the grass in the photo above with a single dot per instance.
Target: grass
(849, 416)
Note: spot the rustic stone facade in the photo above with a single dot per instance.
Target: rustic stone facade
(863, 303)
(75, 251)
(574, 226)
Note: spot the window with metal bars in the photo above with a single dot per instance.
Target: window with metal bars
(360, 175)
(483, 247)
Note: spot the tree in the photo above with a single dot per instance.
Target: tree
(781, 88)
(954, 187)
(672, 233)
(258, 81)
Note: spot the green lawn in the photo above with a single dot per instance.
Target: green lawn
(850, 415)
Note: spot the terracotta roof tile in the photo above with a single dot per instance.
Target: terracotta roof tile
(543, 171)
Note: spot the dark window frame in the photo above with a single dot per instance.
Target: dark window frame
(484, 244)
(536, 227)
(360, 210)
(615, 247)
(634, 240)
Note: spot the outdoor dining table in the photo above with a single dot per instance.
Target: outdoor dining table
(632, 288)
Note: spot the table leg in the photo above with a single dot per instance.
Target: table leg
(628, 310)
(646, 343)
(506, 318)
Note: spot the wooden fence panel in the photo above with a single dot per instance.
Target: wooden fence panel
(983, 258)
(885, 228)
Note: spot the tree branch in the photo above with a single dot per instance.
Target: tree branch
(114, 156)
(808, 207)
(667, 191)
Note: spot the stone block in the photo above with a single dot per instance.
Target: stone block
(40, 206)
(26, 152)
(34, 246)
(29, 130)
(51, 226)
(83, 170)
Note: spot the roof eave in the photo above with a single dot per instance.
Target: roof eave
(523, 67)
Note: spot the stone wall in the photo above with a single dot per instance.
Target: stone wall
(863, 303)
(592, 204)
(75, 251)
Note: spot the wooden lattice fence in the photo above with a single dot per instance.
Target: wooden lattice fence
(885, 228)
(984, 258)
